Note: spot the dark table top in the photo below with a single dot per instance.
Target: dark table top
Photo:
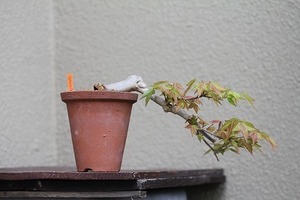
(65, 179)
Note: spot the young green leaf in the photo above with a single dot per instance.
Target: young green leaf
(147, 95)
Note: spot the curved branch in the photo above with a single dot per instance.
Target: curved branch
(180, 112)
(136, 83)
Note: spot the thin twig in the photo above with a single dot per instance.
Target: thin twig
(211, 149)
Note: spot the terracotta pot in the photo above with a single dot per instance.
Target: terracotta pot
(99, 123)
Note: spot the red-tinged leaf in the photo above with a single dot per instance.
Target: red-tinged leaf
(219, 87)
(273, 143)
(188, 126)
(181, 104)
(253, 137)
(189, 86)
(197, 101)
(194, 106)
(248, 147)
(201, 122)
(177, 86)
(193, 129)
(188, 97)
(200, 88)
(214, 88)
(222, 134)
(215, 121)
(242, 128)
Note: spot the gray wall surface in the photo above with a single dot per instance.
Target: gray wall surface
(27, 104)
(247, 46)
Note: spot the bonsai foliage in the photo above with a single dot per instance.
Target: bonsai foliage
(231, 135)
(186, 101)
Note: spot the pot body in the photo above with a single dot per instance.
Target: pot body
(99, 123)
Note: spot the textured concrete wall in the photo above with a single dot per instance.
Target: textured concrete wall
(252, 46)
(248, 46)
(27, 106)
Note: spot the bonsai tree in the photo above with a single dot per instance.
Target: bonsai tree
(185, 101)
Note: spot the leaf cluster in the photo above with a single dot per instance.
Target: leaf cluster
(189, 97)
(235, 134)
(232, 135)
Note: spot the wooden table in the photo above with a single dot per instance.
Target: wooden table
(66, 183)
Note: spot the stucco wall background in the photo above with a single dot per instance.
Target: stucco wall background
(248, 46)
(27, 109)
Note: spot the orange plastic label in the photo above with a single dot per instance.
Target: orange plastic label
(70, 84)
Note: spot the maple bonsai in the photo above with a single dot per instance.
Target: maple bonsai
(220, 137)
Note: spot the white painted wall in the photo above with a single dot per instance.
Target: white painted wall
(248, 46)
(27, 105)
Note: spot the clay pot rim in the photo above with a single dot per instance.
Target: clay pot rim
(90, 95)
